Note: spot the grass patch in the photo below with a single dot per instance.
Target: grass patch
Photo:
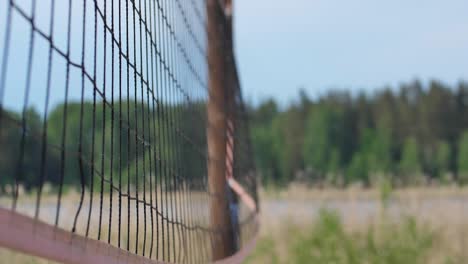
(327, 241)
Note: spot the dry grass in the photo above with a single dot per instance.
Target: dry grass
(170, 240)
(443, 212)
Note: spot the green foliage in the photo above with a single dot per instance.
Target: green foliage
(266, 158)
(119, 150)
(25, 166)
(385, 191)
(443, 158)
(410, 164)
(327, 241)
(372, 159)
(406, 134)
(407, 243)
(378, 151)
(462, 161)
(321, 150)
(334, 167)
(358, 170)
(265, 252)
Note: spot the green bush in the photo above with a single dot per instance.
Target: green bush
(326, 241)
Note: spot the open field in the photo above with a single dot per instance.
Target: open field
(415, 225)
(360, 207)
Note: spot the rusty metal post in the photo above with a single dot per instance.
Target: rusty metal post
(223, 241)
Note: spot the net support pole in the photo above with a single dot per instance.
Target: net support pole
(231, 74)
(222, 241)
(232, 86)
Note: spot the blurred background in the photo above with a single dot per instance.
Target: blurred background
(360, 129)
(359, 125)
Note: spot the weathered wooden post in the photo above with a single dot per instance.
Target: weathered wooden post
(223, 244)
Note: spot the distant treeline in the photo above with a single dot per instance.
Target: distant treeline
(415, 134)
(86, 143)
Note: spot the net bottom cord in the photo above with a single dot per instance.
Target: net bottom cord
(24, 234)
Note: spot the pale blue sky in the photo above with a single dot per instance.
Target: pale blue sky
(282, 46)
(351, 44)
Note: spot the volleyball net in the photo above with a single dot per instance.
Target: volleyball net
(123, 132)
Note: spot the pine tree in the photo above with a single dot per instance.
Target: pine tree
(463, 158)
(410, 164)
